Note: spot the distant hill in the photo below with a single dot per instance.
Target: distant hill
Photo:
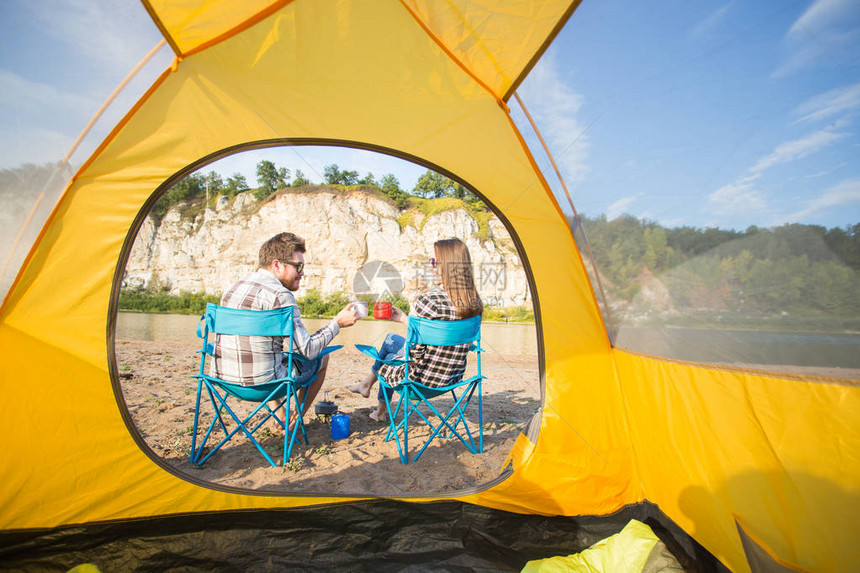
(802, 276)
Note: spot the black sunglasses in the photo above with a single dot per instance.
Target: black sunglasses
(300, 267)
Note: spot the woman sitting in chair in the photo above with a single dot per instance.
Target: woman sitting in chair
(433, 366)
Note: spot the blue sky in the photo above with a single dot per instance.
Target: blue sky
(722, 114)
(707, 114)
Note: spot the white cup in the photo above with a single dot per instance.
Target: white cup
(360, 308)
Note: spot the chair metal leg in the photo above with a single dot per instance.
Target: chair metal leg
(406, 412)
(292, 395)
(240, 424)
(194, 453)
(461, 403)
(480, 419)
(215, 419)
(393, 426)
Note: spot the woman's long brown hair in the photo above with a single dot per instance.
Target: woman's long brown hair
(455, 268)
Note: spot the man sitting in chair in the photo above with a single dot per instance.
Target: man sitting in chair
(250, 360)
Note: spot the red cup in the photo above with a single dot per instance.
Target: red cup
(382, 310)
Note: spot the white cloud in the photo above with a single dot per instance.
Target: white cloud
(23, 97)
(555, 107)
(738, 197)
(712, 21)
(797, 149)
(826, 34)
(39, 122)
(819, 16)
(837, 101)
(843, 193)
(743, 196)
(619, 207)
(828, 48)
(110, 32)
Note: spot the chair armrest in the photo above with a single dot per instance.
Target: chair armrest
(330, 349)
(374, 353)
(210, 349)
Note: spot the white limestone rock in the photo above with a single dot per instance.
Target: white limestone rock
(343, 231)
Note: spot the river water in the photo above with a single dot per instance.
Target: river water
(496, 337)
(744, 346)
(697, 345)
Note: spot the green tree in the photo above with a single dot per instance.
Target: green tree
(188, 187)
(390, 186)
(213, 184)
(692, 241)
(369, 180)
(334, 176)
(845, 244)
(432, 185)
(27, 180)
(300, 180)
(656, 248)
(236, 184)
(270, 178)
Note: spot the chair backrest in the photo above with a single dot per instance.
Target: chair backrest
(223, 320)
(443, 332)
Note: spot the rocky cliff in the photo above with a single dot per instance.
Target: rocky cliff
(357, 242)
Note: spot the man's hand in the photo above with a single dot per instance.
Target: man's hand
(348, 316)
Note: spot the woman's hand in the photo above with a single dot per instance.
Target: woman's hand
(398, 315)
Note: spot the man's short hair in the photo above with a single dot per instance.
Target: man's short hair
(281, 246)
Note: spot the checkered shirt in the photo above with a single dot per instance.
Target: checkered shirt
(249, 360)
(433, 366)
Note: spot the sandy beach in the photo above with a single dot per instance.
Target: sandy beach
(160, 394)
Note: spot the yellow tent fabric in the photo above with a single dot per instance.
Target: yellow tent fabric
(425, 81)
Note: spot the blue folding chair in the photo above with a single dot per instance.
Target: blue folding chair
(223, 320)
(414, 394)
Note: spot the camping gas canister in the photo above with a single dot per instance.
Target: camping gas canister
(339, 426)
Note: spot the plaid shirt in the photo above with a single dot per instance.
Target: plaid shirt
(433, 366)
(252, 360)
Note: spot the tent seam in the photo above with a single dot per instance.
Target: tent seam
(161, 27)
(540, 51)
(241, 27)
(454, 58)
